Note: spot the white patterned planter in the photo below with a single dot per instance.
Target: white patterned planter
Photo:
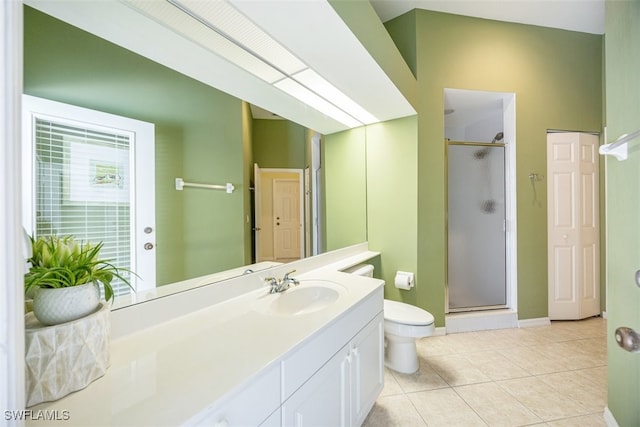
(60, 305)
(65, 358)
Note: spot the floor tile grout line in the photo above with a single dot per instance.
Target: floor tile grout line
(446, 384)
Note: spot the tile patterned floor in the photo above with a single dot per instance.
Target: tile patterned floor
(552, 375)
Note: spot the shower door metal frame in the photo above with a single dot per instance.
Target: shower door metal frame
(508, 257)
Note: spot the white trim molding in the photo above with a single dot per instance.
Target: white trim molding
(440, 331)
(609, 419)
(12, 395)
(532, 323)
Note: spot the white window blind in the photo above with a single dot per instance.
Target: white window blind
(82, 185)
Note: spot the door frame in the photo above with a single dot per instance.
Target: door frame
(257, 211)
(141, 158)
(511, 217)
(13, 246)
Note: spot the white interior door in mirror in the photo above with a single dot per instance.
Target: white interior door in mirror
(91, 174)
(279, 212)
(288, 224)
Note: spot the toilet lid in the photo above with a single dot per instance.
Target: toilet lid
(400, 312)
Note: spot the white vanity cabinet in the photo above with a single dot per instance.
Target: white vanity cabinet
(343, 391)
(256, 404)
(330, 379)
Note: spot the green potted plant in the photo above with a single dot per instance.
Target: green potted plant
(65, 276)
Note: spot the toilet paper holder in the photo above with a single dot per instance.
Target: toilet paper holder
(404, 280)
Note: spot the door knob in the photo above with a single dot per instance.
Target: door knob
(148, 246)
(628, 339)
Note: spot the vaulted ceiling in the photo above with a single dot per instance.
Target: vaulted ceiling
(585, 16)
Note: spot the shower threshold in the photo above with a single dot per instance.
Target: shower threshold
(470, 321)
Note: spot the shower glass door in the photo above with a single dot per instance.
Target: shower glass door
(476, 226)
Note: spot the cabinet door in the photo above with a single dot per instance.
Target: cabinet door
(367, 368)
(274, 420)
(324, 399)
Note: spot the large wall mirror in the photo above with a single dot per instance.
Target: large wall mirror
(201, 134)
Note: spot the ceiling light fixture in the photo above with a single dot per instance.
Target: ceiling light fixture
(313, 100)
(316, 83)
(225, 31)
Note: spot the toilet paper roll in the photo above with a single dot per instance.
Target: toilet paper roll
(404, 280)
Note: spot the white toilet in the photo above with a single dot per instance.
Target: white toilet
(403, 324)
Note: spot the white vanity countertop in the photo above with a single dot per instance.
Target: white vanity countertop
(162, 291)
(167, 374)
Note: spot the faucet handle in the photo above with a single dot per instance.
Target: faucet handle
(288, 279)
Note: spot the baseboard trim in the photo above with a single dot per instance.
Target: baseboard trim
(439, 331)
(532, 323)
(604, 314)
(609, 419)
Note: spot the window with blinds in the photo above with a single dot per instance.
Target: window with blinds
(82, 186)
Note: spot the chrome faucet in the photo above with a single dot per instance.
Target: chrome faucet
(281, 285)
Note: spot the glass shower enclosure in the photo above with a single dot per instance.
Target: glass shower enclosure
(476, 226)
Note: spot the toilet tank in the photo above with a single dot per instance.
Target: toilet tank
(361, 270)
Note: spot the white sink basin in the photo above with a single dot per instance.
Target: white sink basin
(307, 297)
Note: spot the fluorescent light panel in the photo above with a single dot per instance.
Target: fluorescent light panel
(319, 85)
(229, 21)
(192, 28)
(305, 95)
(222, 29)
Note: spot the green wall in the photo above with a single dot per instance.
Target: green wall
(279, 144)
(392, 202)
(556, 76)
(199, 135)
(344, 170)
(169, 165)
(623, 203)
(371, 195)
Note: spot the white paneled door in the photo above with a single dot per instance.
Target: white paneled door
(91, 175)
(279, 212)
(573, 225)
(286, 216)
